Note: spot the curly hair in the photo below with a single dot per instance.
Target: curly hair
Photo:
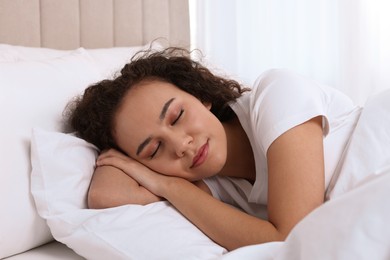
(91, 115)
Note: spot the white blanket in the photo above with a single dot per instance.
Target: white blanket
(353, 224)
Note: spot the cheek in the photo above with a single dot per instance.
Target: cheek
(202, 120)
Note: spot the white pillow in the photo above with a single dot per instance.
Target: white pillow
(33, 93)
(108, 60)
(111, 60)
(22, 53)
(8, 56)
(62, 168)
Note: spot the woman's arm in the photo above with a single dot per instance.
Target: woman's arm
(111, 187)
(296, 187)
(296, 175)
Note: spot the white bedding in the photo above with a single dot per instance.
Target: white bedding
(352, 225)
(49, 251)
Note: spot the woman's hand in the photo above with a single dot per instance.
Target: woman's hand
(111, 187)
(151, 180)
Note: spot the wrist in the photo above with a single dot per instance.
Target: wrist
(174, 186)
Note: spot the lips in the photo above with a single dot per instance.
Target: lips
(201, 156)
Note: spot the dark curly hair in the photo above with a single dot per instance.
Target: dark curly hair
(91, 115)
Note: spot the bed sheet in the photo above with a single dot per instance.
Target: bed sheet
(353, 226)
(50, 251)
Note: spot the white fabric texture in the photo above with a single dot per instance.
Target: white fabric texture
(265, 251)
(35, 85)
(352, 226)
(108, 60)
(264, 118)
(345, 44)
(62, 168)
(22, 53)
(48, 251)
(33, 93)
(111, 60)
(368, 152)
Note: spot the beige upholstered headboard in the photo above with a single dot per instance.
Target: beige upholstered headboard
(68, 24)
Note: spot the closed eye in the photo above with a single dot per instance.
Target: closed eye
(178, 117)
(156, 150)
(159, 143)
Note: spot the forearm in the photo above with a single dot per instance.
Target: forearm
(111, 187)
(224, 224)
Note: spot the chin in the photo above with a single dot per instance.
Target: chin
(212, 171)
(219, 164)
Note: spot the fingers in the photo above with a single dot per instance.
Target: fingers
(112, 153)
(112, 157)
(121, 161)
(151, 180)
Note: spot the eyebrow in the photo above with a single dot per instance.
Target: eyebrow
(143, 144)
(162, 116)
(165, 108)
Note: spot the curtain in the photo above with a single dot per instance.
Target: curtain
(342, 43)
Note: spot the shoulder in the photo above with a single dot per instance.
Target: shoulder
(284, 90)
(282, 93)
(271, 75)
(282, 99)
(284, 81)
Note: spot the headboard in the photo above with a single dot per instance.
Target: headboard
(68, 24)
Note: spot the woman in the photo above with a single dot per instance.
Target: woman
(170, 129)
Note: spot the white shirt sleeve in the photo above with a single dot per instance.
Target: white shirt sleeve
(282, 100)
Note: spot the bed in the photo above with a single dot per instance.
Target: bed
(50, 50)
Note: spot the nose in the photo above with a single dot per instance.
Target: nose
(181, 144)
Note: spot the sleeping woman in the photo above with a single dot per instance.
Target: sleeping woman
(243, 165)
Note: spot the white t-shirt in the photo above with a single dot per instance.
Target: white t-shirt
(280, 100)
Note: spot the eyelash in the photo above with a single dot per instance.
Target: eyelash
(155, 151)
(173, 123)
(178, 117)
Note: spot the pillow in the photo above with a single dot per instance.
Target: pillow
(21, 53)
(111, 60)
(8, 56)
(62, 168)
(33, 93)
(108, 60)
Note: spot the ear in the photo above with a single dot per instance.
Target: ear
(208, 105)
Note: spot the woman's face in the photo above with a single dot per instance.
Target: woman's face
(170, 131)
